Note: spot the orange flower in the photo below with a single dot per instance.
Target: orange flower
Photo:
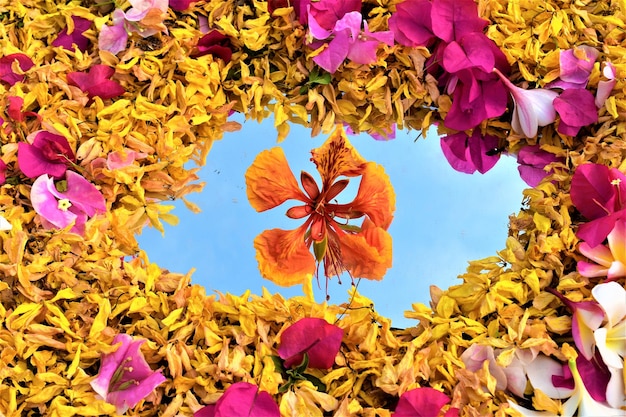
(363, 251)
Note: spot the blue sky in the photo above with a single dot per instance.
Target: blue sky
(443, 218)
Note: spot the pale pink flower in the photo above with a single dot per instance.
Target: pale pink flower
(73, 205)
(605, 87)
(125, 378)
(532, 108)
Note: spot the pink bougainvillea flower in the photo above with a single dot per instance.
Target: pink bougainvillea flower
(605, 86)
(532, 108)
(575, 67)
(242, 399)
(125, 378)
(453, 19)
(47, 154)
(609, 261)
(71, 36)
(598, 193)
(96, 82)
(3, 172)
(532, 162)
(7, 72)
(327, 13)
(411, 24)
(364, 251)
(577, 108)
(214, 43)
(180, 5)
(14, 109)
(587, 316)
(423, 402)
(113, 38)
(122, 159)
(316, 338)
(348, 41)
(67, 202)
(469, 154)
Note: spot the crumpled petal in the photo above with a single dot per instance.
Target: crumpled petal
(367, 254)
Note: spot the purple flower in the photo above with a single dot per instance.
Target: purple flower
(469, 154)
(67, 40)
(575, 67)
(348, 41)
(532, 161)
(6, 67)
(125, 378)
(411, 24)
(68, 202)
(311, 336)
(423, 402)
(577, 108)
(532, 108)
(598, 193)
(48, 154)
(215, 44)
(241, 399)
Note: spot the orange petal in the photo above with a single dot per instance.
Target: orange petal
(284, 257)
(367, 254)
(375, 197)
(270, 182)
(337, 157)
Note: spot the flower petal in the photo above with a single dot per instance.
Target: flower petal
(421, 402)
(367, 254)
(270, 182)
(337, 157)
(284, 257)
(375, 196)
(315, 337)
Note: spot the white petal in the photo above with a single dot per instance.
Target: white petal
(540, 373)
(612, 298)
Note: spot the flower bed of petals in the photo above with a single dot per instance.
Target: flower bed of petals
(107, 111)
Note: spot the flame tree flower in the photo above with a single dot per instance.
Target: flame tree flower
(125, 378)
(70, 201)
(364, 251)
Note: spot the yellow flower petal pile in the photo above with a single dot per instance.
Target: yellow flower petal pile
(63, 297)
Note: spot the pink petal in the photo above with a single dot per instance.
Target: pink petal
(411, 24)
(472, 51)
(83, 194)
(604, 91)
(599, 254)
(6, 67)
(114, 38)
(180, 5)
(470, 154)
(576, 107)
(453, 19)
(421, 402)
(328, 12)
(593, 193)
(540, 374)
(96, 82)
(595, 231)
(589, 270)
(337, 51)
(533, 160)
(575, 70)
(48, 154)
(77, 38)
(45, 203)
(315, 337)
(244, 399)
